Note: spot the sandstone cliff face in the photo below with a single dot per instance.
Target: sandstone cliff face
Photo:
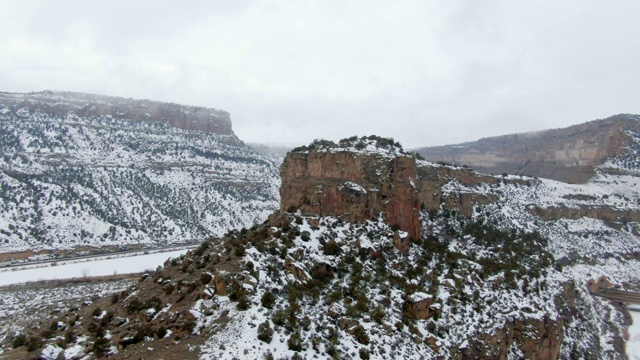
(87, 105)
(612, 217)
(433, 178)
(537, 338)
(568, 154)
(357, 187)
(352, 187)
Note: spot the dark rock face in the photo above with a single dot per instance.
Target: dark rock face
(87, 105)
(567, 155)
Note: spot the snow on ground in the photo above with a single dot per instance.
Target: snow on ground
(29, 305)
(633, 345)
(95, 268)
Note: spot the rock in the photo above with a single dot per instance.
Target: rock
(335, 310)
(536, 338)
(220, 284)
(418, 305)
(347, 324)
(611, 216)
(296, 269)
(250, 283)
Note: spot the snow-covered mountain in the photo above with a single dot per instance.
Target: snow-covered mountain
(375, 254)
(80, 170)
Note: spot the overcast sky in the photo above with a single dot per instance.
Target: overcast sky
(423, 72)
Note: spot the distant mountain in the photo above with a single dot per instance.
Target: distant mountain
(80, 171)
(568, 155)
(271, 151)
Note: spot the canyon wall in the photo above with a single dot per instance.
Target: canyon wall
(89, 105)
(567, 155)
(352, 187)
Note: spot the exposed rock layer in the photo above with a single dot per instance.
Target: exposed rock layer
(356, 188)
(87, 105)
(360, 187)
(568, 154)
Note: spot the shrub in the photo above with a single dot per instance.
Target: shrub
(19, 340)
(154, 303)
(96, 329)
(236, 291)
(205, 278)
(364, 354)
(240, 250)
(378, 314)
(53, 326)
(279, 317)
(106, 319)
(34, 343)
(48, 334)
(162, 332)
(332, 248)
(295, 342)
(243, 303)
(69, 337)
(134, 306)
(361, 334)
(265, 332)
(268, 300)
(101, 346)
(168, 289)
(201, 249)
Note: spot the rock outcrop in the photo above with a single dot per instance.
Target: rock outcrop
(357, 183)
(434, 177)
(567, 155)
(353, 185)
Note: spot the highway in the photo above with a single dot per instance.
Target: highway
(626, 297)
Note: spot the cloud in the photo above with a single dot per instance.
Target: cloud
(424, 72)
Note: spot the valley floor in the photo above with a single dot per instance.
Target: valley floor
(105, 266)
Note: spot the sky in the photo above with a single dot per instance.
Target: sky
(423, 72)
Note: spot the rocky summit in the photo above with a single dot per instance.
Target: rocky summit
(569, 155)
(457, 266)
(81, 172)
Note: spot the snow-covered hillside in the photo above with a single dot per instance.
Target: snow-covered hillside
(68, 180)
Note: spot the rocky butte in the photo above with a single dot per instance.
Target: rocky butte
(359, 179)
(569, 154)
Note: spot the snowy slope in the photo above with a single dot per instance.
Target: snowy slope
(69, 180)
